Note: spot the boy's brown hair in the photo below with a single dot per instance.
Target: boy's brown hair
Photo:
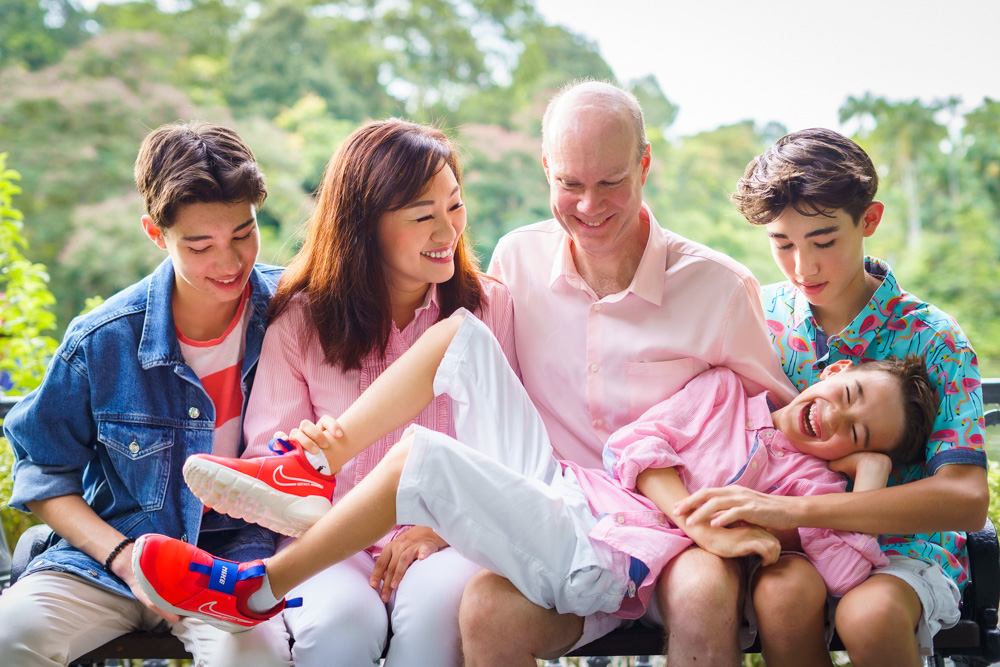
(815, 171)
(185, 163)
(920, 405)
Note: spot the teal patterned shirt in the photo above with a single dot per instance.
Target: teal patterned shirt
(895, 324)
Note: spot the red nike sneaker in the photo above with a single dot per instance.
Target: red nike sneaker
(186, 580)
(283, 493)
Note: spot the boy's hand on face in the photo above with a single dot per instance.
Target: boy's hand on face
(735, 542)
(869, 470)
(417, 543)
(723, 506)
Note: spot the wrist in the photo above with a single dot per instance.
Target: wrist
(115, 555)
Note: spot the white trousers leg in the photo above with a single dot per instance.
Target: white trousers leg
(424, 614)
(342, 620)
(491, 411)
(498, 496)
(49, 618)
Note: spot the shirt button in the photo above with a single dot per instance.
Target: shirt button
(194, 413)
(598, 422)
(663, 518)
(184, 537)
(753, 465)
(133, 447)
(594, 368)
(781, 453)
(92, 573)
(597, 306)
(620, 519)
(749, 424)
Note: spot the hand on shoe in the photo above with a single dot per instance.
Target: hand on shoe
(122, 567)
(319, 436)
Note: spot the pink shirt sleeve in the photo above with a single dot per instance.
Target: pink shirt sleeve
(844, 559)
(657, 439)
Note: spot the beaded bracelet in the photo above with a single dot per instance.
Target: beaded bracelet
(114, 553)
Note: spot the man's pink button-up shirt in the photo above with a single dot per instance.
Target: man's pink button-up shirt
(592, 366)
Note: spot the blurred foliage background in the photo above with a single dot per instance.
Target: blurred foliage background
(80, 85)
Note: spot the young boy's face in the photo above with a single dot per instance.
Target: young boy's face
(213, 247)
(823, 256)
(860, 411)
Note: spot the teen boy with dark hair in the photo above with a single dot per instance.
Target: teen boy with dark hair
(814, 192)
(158, 372)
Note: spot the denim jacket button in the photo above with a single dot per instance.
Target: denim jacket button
(133, 447)
(194, 413)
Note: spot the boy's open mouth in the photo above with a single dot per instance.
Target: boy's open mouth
(810, 420)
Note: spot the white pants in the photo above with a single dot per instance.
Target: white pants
(496, 493)
(49, 618)
(343, 621)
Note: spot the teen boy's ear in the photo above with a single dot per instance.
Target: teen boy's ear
(835, 367)
(871, 216)
(154, 233)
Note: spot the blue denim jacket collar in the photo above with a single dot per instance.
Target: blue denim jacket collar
(159, 345)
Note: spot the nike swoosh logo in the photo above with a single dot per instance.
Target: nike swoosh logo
(209, 610)
(283, 479)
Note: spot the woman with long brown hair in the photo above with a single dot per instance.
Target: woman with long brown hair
(385, 257)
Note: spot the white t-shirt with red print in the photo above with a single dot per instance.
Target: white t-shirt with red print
(217, 364)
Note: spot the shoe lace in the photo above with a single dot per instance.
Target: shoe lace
(280, 446)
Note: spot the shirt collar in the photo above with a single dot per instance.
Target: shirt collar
(859, 334)
(759, 411)
(158, 344)
(647, 283)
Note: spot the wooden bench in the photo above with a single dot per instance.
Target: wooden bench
(976, 638)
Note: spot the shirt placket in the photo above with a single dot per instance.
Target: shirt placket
(595, 374)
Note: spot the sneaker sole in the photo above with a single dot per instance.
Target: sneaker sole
(238, 495)
(155, 598)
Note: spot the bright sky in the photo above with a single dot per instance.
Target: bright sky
(792, 61)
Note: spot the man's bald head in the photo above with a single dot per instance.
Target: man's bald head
(578, 95)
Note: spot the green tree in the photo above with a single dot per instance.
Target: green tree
(35, 34)
(905, 136)
(24, 318)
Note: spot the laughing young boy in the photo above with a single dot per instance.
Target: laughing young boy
(158, 372)
(577, 540)
(814, 193)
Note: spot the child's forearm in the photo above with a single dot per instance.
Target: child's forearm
(956, 498)
(396, 397)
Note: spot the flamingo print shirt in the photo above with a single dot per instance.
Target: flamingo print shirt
(893, 325)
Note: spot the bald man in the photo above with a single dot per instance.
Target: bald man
(613, 314)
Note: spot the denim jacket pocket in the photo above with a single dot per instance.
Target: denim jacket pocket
(140, 454)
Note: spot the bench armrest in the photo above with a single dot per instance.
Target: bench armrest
(32, 542)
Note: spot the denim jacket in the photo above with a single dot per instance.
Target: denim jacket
(114, 420)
